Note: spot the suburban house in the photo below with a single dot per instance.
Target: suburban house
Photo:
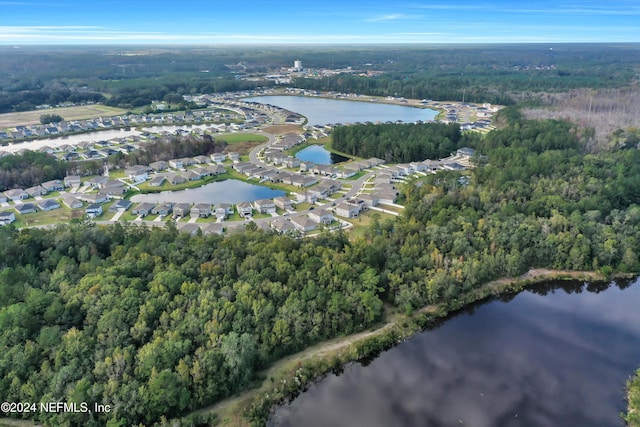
(290, 162)
(93, 197)
(181, 209)
(233, 156)
(71, 201)
(25, 208)
(321, 216)
(453, 166)
(218, 157)
(189, 228)
(157, 181)
(217, 169)
(213, 228)
(137, 173)
(192, 175)
(16, 194)
(36, 191)
(223, 210)
(201, 159)
(162, 209)
(303, 223)
(370, 200)
(143, 209)
(98, 181)
(466, 151)
(283, 203)
(176, 163)
(53, 185)
(159, 165)
(386, 197)
(281, 225)
(201, 210)
(48, 204)
(265, 206)
(7, 218)
(120, 206)
(244, 209)
(72, 181)
(176, 178)
(93, 210)
(3, 198)
(347, 210)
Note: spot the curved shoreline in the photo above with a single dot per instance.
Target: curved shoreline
(293, 374)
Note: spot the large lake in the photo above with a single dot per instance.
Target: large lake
(229, 191)
(550, 357)
(322, 111)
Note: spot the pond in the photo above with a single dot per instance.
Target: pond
(320, 155)
(228, 191)
(558, 355)
(322, 111)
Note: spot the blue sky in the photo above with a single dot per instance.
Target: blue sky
(324, 21)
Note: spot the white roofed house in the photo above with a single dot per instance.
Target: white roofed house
(137, 173)
(303, 223)
(162, 209)
(53, 185)
(16, 194)
(200, 210)
(370, 200)
(143, 209)
(244, 209)
(218, 157)
(347, 210)
(182, 209)
(387, 197)
(157, 181)
(71, 201)
(234, 156)
(36, 191)
(159, 165)
(223, 210)
(201, 159)
(321, 216)
(176, 164)
(72, 181)
(281, 225)
(283, 203)
(265, 206)
(176, 178)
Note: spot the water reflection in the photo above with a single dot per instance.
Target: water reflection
(318, 154)
(553, 357)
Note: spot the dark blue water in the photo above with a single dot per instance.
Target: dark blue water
(322, 111)
(318, 154)
(549, 358)
(229, 191)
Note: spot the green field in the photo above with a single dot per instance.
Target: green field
(25, 118)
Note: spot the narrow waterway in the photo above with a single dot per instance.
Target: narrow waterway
(557, 355)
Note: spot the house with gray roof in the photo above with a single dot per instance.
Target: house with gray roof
(16, 194)
(25, 208)
(36, 191)
(48, 204)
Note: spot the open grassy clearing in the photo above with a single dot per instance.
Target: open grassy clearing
(25, 118)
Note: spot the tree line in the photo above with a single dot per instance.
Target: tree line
(399, 143)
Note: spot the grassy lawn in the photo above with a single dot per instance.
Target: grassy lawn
(56, 216)
(390, 208)
(146, 188)
(235, 138)
(358, 175)
(242, 143)
(25, 118)
(361, 223)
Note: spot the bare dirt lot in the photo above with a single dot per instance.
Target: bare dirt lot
(82, 112)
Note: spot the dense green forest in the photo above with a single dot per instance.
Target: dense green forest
(158, 323)
(399, 143)
(29, 169)
(132, 76)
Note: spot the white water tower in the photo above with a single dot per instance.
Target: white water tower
(297, 64)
